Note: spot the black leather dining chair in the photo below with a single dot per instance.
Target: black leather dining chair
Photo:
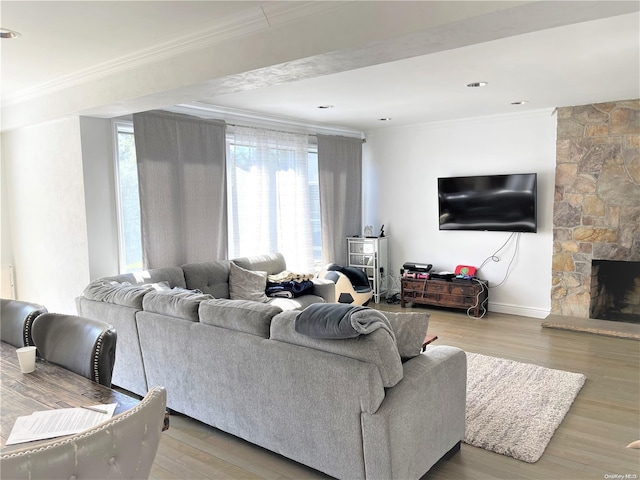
(83, 345)
(16, 319)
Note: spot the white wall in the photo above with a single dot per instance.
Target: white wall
(6, 249)
(400, 171)
(100, 201)
(45, 192)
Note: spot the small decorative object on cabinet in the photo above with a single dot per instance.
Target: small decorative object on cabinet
(370, 256)
(472, 296)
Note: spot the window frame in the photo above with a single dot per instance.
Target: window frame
(120, 126)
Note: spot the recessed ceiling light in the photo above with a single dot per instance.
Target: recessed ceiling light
(6, 33)
(477, 84)
(385, 119)
(325, 106)
(519, 102)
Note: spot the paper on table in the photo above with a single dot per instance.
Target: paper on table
(56, 423)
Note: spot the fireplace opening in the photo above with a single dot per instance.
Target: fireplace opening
(615, 291)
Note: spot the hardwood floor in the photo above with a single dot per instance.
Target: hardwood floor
(589, 444)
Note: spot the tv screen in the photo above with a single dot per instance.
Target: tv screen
(503, 203)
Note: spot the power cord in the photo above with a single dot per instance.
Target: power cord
(393, 289)
(483, 306)
(393, 283)
(495, 258)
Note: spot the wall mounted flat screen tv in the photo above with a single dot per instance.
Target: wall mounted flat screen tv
(502, 203)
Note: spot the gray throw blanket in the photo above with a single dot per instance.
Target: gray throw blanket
(337, 320)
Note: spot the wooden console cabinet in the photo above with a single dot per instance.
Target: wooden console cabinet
(472, 297)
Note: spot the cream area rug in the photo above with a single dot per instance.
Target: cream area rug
(514, 408)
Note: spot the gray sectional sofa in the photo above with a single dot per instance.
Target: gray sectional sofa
(349, 407)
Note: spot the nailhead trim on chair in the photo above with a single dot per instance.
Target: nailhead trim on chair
(96, 358)
(107, 424)
(26, 330)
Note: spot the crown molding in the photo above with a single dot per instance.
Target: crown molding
(253, 119)
(239, 25)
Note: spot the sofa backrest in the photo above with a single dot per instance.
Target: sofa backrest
(272, 263)
(115, 293)
(377, 348)
(173, 275)
(208, 277)
(177, 304)
(240, 315)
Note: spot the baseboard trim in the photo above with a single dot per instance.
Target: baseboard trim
(518, 310)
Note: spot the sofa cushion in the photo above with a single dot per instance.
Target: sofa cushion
(173, 275)
(377, 348)
(179, 304)
(209, 277)
(272, 263)
(123, 294)
(241, 315)
(410, 329)
(298, 303)
(247, 284)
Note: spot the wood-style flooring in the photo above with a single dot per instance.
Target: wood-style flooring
(589, 444)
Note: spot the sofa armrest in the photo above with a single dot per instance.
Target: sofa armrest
(325, 289)
(420, 419)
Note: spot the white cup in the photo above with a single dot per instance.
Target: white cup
(27, 359)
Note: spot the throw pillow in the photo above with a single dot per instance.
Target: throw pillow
(410, 329)
(247, 284)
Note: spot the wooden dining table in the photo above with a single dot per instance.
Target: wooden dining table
(49, 386)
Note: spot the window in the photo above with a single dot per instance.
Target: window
(128, 200)
(274, 202)
(273, 193)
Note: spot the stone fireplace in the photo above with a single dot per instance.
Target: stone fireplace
(597, 199)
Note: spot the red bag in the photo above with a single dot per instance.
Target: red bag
(465, 271)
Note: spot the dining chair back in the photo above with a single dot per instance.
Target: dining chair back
(16, 318)
(122, 447)
(85, 346)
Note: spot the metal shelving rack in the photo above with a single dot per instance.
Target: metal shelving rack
(369, 254)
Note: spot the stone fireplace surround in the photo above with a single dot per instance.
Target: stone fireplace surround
(597, 197)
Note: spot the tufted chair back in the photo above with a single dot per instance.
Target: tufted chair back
(122, 447)
(16, 318)
(83, 345)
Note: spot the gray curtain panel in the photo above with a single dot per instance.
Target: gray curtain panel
(340, 178)
(182, 183)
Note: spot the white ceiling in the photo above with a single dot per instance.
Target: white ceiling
(61, 39)
(572, 64)
(578, 64)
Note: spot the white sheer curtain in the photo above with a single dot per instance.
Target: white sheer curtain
(269, 209)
